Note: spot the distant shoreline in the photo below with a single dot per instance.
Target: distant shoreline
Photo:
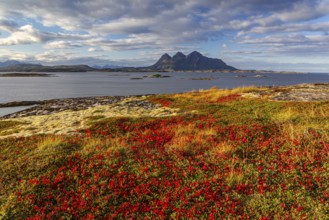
(41, 73)
(200, 71)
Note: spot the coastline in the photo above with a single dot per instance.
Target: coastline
(65, 116)
(295, 92)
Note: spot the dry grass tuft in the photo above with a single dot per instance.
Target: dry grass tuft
(50, 143)
(105, 143)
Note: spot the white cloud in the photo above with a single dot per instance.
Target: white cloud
(91, 49)
(27, 34)
(23, 35)
(6, 54)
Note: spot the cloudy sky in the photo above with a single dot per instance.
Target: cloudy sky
(248, 34)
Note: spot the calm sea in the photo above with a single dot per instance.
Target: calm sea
(66, 85)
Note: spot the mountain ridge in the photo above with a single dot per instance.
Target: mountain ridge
(41, 68)
(10, 63)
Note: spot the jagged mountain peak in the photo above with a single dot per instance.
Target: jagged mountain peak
(196, 54)
(165, 56)
(194, 61)
(179, 55)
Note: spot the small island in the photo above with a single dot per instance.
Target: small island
(156, 76)
(26, 75)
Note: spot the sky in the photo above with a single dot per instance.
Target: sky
(290, 35)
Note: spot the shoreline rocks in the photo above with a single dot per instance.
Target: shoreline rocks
(300, 92)
(48, 107)
(78, 113)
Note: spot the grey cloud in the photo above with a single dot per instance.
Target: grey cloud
(290, 39)
(287, 28)
(61, 44)
(276, 39)
(87, 14)
(67, 58)
(8, 25)
(312, 50)
(291, 45)
(281, 66)
(125, 26)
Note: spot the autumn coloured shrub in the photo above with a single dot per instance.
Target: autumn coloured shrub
(228, 98)
(164, 101)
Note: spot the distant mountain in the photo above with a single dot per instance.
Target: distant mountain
(41, 68)
(106, 66)
(192, 62)
(10, 63)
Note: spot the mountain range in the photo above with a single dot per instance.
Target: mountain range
(40, 68)
(194, 61)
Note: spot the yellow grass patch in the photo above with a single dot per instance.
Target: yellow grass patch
(297, 119)
(214, 93)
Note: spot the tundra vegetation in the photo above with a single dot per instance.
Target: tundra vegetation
(225, 156)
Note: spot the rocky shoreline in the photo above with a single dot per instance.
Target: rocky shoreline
(309, 92)
(48, 107)
(300, 92)
(67, 116)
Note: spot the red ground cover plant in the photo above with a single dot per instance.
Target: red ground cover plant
(165, 102)
(165, 170)
(229, 98)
